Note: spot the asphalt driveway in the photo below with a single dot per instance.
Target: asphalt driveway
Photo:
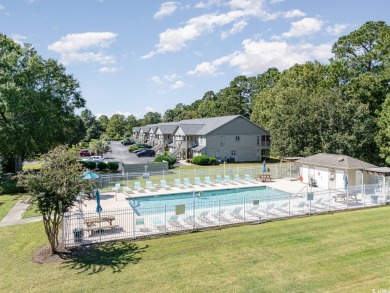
(120, 153)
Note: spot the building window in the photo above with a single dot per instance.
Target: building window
(237, 138)
(233, 153)
(258, 140)
(221, 143)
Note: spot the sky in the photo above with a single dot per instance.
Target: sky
(133, 57)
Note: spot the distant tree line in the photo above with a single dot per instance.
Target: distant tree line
(341, 107)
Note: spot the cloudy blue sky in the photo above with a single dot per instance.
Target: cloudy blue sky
(132, 57)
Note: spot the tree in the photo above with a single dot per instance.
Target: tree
(152, 118)
(99, 146)
(103, 121)
(94, 128)
(383, 136)
(37, 103)
(54, 189)
(116, 126)
(130, 122)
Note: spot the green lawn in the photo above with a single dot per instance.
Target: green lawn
(341, 252)
(7, 202)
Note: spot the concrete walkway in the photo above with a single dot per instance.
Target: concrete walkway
(14, 216)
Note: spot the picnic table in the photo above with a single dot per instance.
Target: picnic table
(92, 224)
(93, 221)
(263, 177)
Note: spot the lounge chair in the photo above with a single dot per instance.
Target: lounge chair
(283, 208)
(117, 187)
(191, 220)
(137, 186)
(198, 181)
(187, 182)
(174, 222)
(127, 190)
(238, 179)
(219, 215)
(248, 178)
(178, 183)
(163, 184)
(150, 186)
(208, 181)
(227, 179)
(264, 212)
(203, 217)
(254, 211)
(236, 213)
(218, 179)
(159, 225)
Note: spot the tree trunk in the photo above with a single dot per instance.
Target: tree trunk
(18, 163)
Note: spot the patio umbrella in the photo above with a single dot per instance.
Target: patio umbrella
(345, 182)
(90, 175)
(98, 207)
(264, 167)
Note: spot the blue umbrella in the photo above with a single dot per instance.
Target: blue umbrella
(264, 167)
(98, 207)
(90, 175)
(345, 182)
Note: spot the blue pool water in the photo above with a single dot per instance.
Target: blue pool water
(150, 205)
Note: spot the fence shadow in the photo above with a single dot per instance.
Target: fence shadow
(97, 258)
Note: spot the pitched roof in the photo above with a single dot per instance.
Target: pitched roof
(167, 128)
(335, 161)
(191, 129)
(209, 124)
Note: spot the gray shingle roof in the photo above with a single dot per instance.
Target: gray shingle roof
(167, 128)
(209, 124)
(335, 161)
(191, 129)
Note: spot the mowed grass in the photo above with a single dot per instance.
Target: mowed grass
(340, 252)
(7, 201)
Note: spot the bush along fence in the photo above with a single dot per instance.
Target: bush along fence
(207, 209)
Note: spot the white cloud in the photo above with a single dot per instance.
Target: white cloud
(108, 69)
(156, 80)
(303, 27)
(276, 1)
(178, 84)
(337, 29)
(204, 68)
(2, 7)
(258, 55)
(18, 38)
(208, 4)
(166, 9)
(82, 47)
(237, 28)
(171, 77)
(149, 109)
(294, 13)
(173, 40)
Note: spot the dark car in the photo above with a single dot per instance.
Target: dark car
(86, 153)
(128, 142)
(140, 150)
(144, 145)
(146, 153)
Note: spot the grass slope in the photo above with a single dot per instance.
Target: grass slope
(344, 252)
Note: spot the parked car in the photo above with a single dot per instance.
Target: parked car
(86, 153)
(140, 150)
(144, 145)
(146, 153)
(129, 142)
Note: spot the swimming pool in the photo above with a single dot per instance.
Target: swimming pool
(149, 205)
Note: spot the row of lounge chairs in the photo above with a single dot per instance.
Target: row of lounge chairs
(209, 218)
(186, 183)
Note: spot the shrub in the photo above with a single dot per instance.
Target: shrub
(90, 165)
(171, 161)
(113, 166)
(102, 165)
(133, 148)
(204, 160)
(9, 185)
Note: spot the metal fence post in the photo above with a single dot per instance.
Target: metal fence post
(219, 210)
(244, 210)
(165, 217)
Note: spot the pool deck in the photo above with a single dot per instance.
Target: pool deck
(114, 200)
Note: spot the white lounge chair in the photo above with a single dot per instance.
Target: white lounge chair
(137, 186)
(178, 183)
(163, 184)
(187, 182)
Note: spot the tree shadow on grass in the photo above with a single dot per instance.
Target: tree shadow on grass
(97, 258)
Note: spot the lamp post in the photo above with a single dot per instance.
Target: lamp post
(224, 163)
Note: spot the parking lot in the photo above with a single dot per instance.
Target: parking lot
(120, 153)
